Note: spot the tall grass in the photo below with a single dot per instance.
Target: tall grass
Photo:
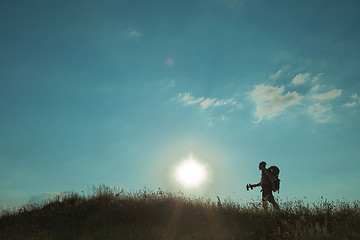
(112, 213)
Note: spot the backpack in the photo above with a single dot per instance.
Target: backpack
(273, 173)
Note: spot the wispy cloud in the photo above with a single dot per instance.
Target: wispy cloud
(320, 113)
(315, 88)
(203, 102)
(328, 95)
(221, 102)
(303, 78)
(207, 103)
(300, 78)
(271, 100)
(316, 77)
(355, 101)
(350, 104)
(275, 75)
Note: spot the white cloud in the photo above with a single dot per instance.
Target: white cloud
(317, 77)
(328, 95)
(300, 79)
(352, 104)
(320, 113)
(199, 100)
(185, 96)
(230, 101)
(315, 88)
(270, 100)
(203, 102)
(303, 78)
(355, 97)
(207, 103)
(356, 101)
(275, 75)
(188, 99)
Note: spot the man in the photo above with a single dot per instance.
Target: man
(266, 187)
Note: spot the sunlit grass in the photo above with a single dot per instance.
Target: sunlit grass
(112, 213)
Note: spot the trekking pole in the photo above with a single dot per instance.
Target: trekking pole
(249, 186)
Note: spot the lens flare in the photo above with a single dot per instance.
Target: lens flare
(170, 62)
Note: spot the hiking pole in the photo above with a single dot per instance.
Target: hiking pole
(249, 186)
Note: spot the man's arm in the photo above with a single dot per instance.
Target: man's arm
(255, 185)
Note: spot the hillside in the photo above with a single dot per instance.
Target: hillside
(110, 213)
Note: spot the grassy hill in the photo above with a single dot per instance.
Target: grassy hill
(110, 213)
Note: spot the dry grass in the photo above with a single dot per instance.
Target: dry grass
(112, 213)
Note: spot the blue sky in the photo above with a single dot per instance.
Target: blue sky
(121, 92)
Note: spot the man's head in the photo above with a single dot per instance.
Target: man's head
(262, 165)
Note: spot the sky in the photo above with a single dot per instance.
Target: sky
(122, 92)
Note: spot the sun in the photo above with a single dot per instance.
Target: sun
(190, 173)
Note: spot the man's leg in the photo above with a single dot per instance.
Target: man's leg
(264, 203)
(273, 202)
(265, 199)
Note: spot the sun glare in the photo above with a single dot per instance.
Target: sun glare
(190, 174)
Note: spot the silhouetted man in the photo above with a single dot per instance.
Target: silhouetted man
(266, 187)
